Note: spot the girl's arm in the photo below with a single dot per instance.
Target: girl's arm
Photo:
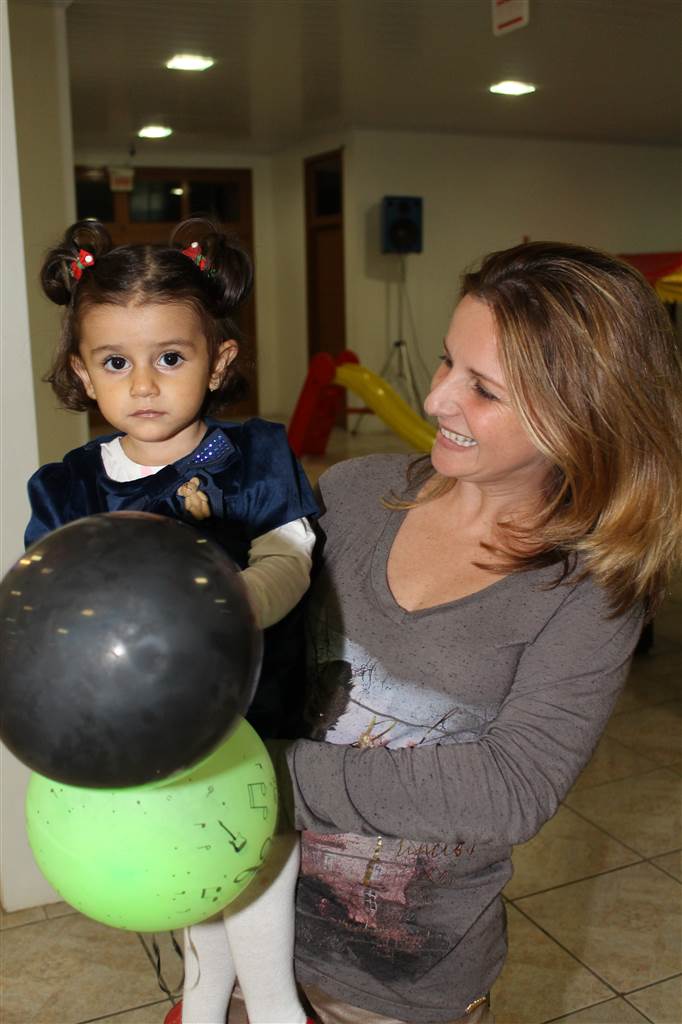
(278, 573)
(504, 786)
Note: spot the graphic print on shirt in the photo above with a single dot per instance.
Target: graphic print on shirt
(388, 902)
(354, 700)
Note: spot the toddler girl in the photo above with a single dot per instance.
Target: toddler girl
(148, 337)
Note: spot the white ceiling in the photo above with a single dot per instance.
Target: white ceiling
(606, 70)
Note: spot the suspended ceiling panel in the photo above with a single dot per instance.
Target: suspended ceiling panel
(605, 70)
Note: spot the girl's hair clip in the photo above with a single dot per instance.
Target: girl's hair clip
(194, 253)
(84, 261)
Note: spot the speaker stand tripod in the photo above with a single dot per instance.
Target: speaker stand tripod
(398, 370)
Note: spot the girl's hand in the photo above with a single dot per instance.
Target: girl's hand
(196, 502)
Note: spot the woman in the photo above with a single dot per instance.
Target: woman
(471, 629)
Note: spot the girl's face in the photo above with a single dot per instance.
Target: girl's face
(147, 367)
(480, 438)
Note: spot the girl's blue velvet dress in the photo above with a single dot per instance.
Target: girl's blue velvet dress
(253, 483)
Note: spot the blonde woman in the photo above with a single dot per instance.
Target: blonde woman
(472, 627)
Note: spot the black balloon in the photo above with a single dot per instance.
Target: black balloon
(128, 650)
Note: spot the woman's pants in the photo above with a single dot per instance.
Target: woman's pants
(331, 1011)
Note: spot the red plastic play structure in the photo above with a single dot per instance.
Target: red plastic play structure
(663, 270)
(318, 405)
(323, 397)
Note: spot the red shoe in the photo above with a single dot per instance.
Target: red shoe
(174, 1016)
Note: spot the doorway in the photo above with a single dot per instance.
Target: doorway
(324, 253)
(160, 198)
(324, 257)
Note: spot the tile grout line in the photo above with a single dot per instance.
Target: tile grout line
(557, 1020)
(599, 874)
(573, 957)
(609, 834)
(646, 706)
(663, 870)
(41, 920)
(636, 990)
(118, 1013)
(653, 984)
(575, 881)
(608, 782)
(656, 765)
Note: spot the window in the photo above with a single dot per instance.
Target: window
(216, 199)
(156, 201)
(94, 199)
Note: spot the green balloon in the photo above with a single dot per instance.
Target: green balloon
(164, 855)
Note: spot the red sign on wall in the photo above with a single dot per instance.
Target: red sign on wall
(508, 15)
(121, 179)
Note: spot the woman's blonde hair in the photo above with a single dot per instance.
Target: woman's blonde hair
(594, 375)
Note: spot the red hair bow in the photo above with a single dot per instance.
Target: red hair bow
(84, 261)
(193, 251)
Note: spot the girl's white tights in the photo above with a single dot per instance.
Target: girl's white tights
(209, 973)
(252, 941)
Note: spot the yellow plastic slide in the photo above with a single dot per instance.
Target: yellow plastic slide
(669, 288)
(387, 404)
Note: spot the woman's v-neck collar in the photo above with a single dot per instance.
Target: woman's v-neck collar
(382, 589)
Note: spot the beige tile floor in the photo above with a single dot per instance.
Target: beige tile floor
(594, 907)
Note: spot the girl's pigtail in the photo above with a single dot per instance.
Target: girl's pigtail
(228, 268)
(231, 269)
(57, 275)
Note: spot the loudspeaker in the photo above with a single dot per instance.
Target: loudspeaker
(401, 224)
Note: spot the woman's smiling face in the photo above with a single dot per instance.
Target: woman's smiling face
(480, 437)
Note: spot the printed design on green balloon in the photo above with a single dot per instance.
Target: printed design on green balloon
(161, 856)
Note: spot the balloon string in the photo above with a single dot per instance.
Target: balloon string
(154, 957)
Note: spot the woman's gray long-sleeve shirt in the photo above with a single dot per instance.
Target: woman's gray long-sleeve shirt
(448, 735)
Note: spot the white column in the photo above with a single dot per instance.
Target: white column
(44, 148)
(21, 884)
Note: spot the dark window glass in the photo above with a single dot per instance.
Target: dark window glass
(327, 192)
(217, 199)
(155, 201)
(94, 199)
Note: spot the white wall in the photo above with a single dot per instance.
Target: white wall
(21, 884)
(482, 194)
(44, 149)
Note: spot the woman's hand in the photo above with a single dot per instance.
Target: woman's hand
(278, 750)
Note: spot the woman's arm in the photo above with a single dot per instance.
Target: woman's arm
(504, 786)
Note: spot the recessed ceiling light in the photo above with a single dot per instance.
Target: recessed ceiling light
(189, 62)
(510, 88)
(154, 131)
(177, 191)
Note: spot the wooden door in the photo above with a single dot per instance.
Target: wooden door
(324, 257)
(161, 197)
(324, 237)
